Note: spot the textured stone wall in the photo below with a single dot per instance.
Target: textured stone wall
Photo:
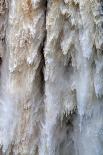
(51, 77)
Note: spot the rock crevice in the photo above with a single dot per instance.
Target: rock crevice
(51, 77)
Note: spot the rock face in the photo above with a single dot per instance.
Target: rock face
(51, 77)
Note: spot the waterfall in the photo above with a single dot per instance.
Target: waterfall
(51, 77)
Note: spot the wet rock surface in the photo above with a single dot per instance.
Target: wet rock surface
(51, 77)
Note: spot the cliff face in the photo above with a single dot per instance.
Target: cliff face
(51, 77)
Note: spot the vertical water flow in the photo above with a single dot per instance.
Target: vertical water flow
(84, 102)
(84, 83)
(86, 56)
(21, 38)
(84, 88)
(7, 110)
(90, 89)
(53, 80)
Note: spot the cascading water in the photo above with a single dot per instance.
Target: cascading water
(51, 77)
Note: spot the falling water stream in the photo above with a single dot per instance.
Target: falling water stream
(51, 77)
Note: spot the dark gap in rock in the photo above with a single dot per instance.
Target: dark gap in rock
(42, 65)
(67, 145)
(70, 61)
(75, 4)
(0, 61)
(68, 65)
(1, 150)
(42, 47)
(68, 118)
(101, 8)
(3, 40)
(102, 25)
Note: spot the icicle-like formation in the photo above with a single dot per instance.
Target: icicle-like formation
(51, 77)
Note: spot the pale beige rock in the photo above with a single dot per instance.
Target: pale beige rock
(51, 68)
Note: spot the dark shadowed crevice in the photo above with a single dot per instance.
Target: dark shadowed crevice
(1, 150)
(42, 48)
(67, 145)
